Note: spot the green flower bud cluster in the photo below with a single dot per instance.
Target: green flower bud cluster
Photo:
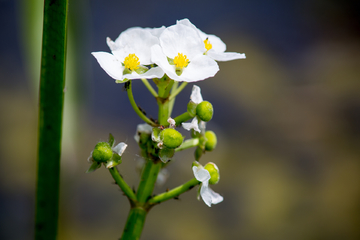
(106, 153)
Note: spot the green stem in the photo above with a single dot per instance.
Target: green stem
(136, 108)
(178, 90)
(188, 144)
(148, 179)
(51, 101)
(182, 118)
(134, 224)
(172, 101)
(174, 192)
(122, 184)
(149, 87)
(163, 111)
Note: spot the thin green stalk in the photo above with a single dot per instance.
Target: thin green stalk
(174, 192)
(182, 118)
(148, 179)
(136, 108)
(178, 90)
(51, 100)
(188, 144)
(172, 101)
(149, 87)
(122, 184)
(134, 224)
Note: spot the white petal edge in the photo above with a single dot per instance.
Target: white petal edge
(225, 56)
(111, 65)
(172, 122)
(196, 95)
(193, 125)
(209, 196)
(199, 68)
(201, 174)
(120, 148)
(155, 72)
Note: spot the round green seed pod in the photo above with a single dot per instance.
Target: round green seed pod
(171, 138)
(214, 172)
(205, 111)
(211, 141)
(102, 152)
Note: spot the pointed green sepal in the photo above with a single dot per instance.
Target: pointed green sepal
(115, 160)
(111, 140)
(166, 154)
(93, 167)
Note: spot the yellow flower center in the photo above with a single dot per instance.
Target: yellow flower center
(208, 45)
(131, 62)
(181, 61)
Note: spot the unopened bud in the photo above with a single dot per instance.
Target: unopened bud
(214, 172)
(205, 111)
(102, 152)
(211, 140)
(191, 108)
(171, 138)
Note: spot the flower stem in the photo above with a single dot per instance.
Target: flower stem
(174, 192)
(178, 90)
(182, 118)
(172, 101)
(122, 184)
(149, 87)
(188, 144)
(135, 107)
(134, 224)
(51, 101)
(148, 179)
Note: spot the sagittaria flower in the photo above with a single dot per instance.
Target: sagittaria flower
(131, 55)
(206, 193)
(215, 48)
(180, 55)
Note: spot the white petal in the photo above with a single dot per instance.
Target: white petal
(217, 44)
(172, 122)
(120, 148)
(156, 31)
(155, 72)
(193, 125)
(187, 22)
(196, 95)
(209, 196)
(225, 56)
(180, 38)
(144, 128)
(199, 68)
(112, 45)
(110, 64)
(201, 174)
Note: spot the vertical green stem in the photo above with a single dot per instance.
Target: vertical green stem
(134, 224)
(51, 99)
(148, 179)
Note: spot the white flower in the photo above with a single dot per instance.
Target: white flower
(180, 55)
(120, 148)
(130, 53)
(215, 48)
(193, 125)
(206, 193)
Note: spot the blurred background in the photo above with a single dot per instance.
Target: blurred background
(287, 120)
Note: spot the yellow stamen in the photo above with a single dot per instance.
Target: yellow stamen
(132, 62)
(181, 61)
(208, 45)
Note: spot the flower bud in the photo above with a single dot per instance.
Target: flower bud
(214, 172)
(171, 138)
(191, 108)
(211, 140)
(205, 111)
(102, 152)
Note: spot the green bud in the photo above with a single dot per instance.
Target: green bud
(205, 111)
(214, 172)
(211, 140)
(102, 152)
(191, 108)
(171, 138)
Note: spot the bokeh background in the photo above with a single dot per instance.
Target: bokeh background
(287, 120)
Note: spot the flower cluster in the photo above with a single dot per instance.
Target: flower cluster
(181, 51)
